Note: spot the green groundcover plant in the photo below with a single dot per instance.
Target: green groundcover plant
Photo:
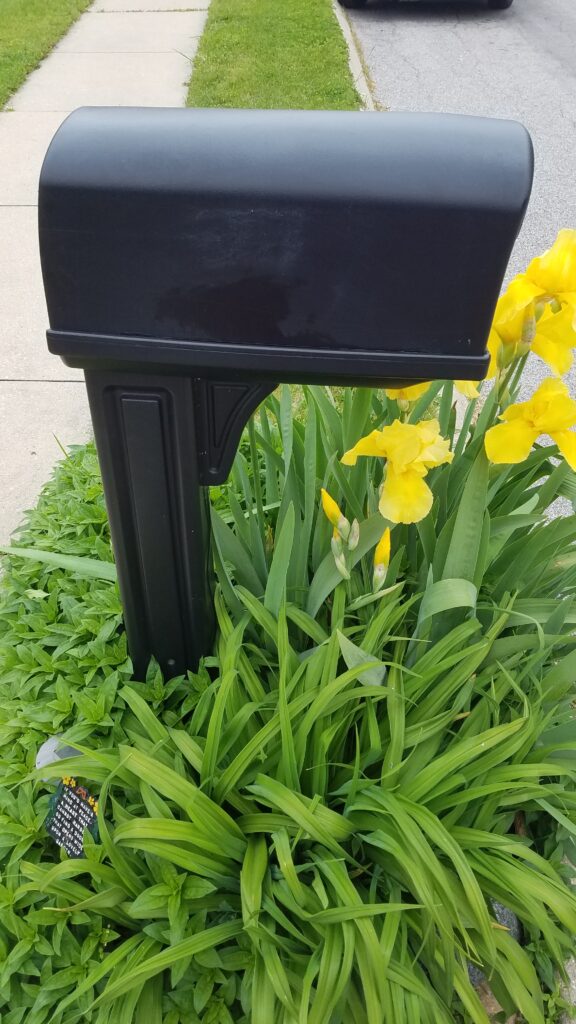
(314, 827)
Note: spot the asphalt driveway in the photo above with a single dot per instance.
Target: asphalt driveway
(463, 58)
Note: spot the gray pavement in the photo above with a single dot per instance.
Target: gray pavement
(464, 58)
(119, 53)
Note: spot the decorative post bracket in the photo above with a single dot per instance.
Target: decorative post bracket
(222, 409)
(193, 259)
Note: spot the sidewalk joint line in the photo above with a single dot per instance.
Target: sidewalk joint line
(40, 380)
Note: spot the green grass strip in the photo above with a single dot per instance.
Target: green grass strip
(28, 31)
(272, 54)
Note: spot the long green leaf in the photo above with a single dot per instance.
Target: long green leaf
(87, 568)
(462, 556)
(208, 939)
(275, 592)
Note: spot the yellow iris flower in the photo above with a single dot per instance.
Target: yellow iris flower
(411, 449)
(409, 394)
(549, 411)
(555, 339)
(524, 317)
(514, 323)
(334, 514)
(381, 559)
(554, 273)
(331, 508)
(383, 549)
(413, 392)
(468, 388)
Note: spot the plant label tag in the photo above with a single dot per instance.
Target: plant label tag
(72, 811)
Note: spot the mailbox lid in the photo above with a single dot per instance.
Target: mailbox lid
(286, 231)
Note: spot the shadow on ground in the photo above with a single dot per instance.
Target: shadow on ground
(430, 10)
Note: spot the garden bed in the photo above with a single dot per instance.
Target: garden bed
(319, 824)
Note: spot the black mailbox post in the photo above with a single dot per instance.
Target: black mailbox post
(193, 259)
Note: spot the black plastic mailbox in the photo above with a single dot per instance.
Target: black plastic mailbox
(193, 259)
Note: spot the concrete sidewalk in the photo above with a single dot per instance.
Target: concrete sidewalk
(119, 53)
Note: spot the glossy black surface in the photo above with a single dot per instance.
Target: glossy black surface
(376, 234)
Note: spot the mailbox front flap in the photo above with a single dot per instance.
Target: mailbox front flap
(282, 244)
